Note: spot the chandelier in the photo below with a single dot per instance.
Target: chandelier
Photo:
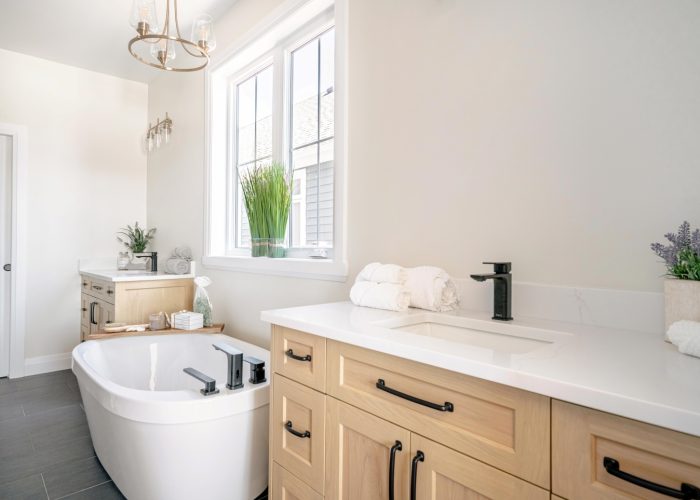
(163, 48)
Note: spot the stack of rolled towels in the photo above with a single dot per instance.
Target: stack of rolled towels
(179, 261)
(686, 336)
(392, 287)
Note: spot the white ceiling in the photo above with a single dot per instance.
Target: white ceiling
(90, 34)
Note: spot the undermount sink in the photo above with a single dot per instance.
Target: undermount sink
(504, 337)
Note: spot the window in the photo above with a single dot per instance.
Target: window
(275, 99)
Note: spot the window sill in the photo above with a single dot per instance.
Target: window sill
(329, 270)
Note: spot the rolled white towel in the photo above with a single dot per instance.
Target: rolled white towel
(182, 253)
(177, 266)
(686, 336)
(431, 288)
(382, 273)
(390, 296)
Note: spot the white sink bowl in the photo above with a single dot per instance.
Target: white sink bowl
(497, 336)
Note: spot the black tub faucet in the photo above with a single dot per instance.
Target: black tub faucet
(501, 289)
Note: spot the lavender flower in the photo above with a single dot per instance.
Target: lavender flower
(682, 256)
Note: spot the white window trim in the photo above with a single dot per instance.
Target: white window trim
(276, 27)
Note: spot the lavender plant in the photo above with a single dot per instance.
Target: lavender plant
(682, 256)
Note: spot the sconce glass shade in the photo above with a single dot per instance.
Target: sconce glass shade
(144, 11)
(165, 48)
(166, 135)
(203, 32)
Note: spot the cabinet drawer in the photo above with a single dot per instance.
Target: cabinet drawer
(444, 473)
(582, 438)
(299, 356)
(298, 430)
(504, 427)
(287, 487)
(103, 290)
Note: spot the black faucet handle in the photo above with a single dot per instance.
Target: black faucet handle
(257, 370)
(500, 267)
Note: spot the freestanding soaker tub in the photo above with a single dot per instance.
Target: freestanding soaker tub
(156, 435)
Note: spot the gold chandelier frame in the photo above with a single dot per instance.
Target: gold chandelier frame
(150, 38)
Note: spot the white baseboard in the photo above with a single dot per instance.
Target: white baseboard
(46, 364)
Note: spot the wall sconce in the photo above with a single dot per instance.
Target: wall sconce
(159, 134)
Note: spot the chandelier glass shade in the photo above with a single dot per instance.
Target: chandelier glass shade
(164, 47)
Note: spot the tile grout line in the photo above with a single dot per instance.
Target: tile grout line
(84, 489)
(43, 481)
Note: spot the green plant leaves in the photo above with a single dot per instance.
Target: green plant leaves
(136, 239)
(267, 195)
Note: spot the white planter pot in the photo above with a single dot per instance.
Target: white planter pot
(682, 299)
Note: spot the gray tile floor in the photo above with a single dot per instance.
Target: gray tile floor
(45, 446)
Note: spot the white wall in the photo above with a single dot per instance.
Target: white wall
(562, 136)
(86, 178)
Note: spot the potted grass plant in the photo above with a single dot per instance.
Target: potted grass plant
(279, 197)
(682, 285)
(267, 196)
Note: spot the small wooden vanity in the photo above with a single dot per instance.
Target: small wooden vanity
(105, 299)
(351, 423)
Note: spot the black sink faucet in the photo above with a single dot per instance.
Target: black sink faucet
(501, 289)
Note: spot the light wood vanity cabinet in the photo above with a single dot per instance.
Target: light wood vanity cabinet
(103, 301)
(462, 438)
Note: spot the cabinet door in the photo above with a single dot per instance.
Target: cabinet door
(359, 452)
(444, 474)
(298, 430)
(106, 314)
(85, 309)
(285, 486)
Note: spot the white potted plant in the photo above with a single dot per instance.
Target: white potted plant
(682, 285)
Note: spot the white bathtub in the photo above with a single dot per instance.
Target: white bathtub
(156, 435)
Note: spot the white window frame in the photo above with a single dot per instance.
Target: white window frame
(262, 44)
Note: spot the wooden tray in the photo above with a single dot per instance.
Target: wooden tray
(217, 328)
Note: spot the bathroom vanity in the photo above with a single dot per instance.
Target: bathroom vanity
(130, 296)
(375, 404)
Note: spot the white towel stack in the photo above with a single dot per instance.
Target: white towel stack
(179, 261)
(686, 336)
(188, 321)
(391, 287)
(381, 287)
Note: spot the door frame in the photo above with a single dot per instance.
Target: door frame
(18, 281)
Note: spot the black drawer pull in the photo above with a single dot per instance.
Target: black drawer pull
(687, 491)
(290, 354)
(96, 287)
(392, 466)
(381, 385)
(420, 457)
(290, 429)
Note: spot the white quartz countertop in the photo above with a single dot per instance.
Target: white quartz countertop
(632, 374)
(114, 275)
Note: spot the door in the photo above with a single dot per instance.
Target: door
(5, 250)
(444, 474)
(360, 447)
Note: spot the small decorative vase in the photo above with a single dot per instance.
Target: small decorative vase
(682, 300)
(259, 247)
(276, 248)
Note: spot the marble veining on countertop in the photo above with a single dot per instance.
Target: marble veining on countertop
(629, 373)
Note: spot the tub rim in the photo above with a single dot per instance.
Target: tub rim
(171, 407)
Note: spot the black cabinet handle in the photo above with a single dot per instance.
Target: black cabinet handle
(392, 466)
(290, 354)
(92, 312)
(96, 287)
(381, 385)
(687, 491)
(290, 429)
(420, 457)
